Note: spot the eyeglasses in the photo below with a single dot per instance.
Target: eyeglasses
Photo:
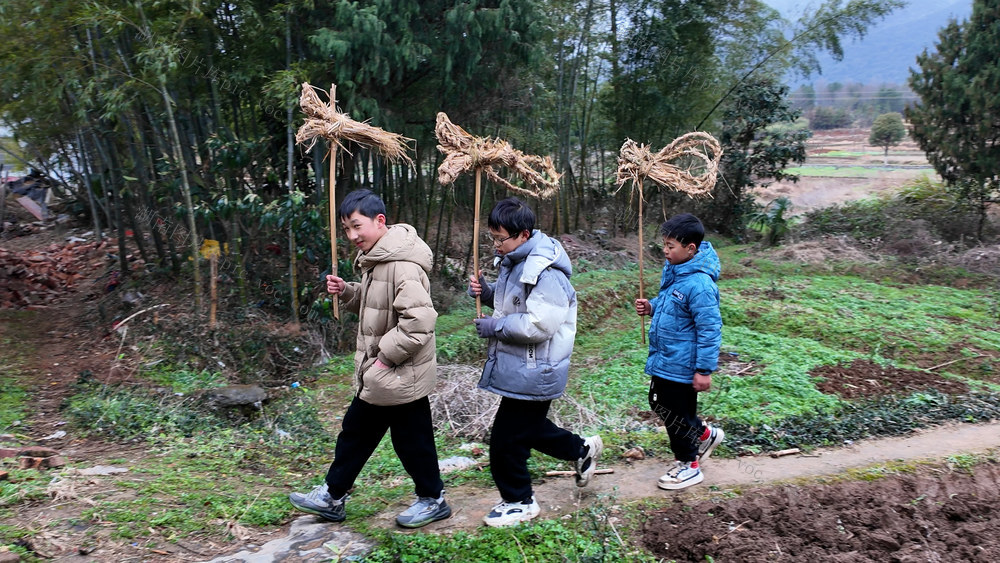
(499, 241)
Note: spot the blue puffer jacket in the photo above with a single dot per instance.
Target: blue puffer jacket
(529, 357)
(686, 329)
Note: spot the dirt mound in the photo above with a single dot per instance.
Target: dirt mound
(867, 379)
(937, 517)
(827, 249)
(983, 259)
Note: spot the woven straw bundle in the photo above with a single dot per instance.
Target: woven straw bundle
(323, 120)
(636, 162)
(464, 152)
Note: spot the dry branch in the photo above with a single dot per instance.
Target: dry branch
(323, 120)
(464, 152)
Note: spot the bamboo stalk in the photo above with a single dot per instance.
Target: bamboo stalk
(637, 183)
(475, 239)
(333, 204)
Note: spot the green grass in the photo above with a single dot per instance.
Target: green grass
(204, 469)
(14, 398)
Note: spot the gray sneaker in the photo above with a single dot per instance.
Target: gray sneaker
(319, 502)
(424, 511)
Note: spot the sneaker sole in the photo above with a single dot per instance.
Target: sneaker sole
(317, 512)
(584, 479)
(439, 515)
(670, 486)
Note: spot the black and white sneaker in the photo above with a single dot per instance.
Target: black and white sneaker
(680, 476)
(706, 446)
(424, 511)
(511, 513)
(587, 465)
(319, 502)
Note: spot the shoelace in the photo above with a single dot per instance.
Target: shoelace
(674, 471)
(317, 494)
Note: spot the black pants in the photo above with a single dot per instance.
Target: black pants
(677, 405)
(519, 427)
(412, 436)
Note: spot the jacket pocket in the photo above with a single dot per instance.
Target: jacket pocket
(388, 386)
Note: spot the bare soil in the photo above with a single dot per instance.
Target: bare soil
(906, 162)
(927, 517)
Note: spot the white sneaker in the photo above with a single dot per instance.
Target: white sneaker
(587, 465)
(680, 476)
(511, 513)
(706, 446)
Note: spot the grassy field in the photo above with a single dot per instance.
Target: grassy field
(196, 474)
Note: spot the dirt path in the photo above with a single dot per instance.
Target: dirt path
(310, 540)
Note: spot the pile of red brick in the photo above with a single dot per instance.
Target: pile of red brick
(36, 278)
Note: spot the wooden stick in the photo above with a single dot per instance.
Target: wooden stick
(957, 360)
(333, 205)
(569, 473)
(789, 451)
(475, 240)
(213, 285)
(642, 289)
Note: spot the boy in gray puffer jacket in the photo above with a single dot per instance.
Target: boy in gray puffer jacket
(530, 336)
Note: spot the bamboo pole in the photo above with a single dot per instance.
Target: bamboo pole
(637, 184)
(475, 239)
(333, 204)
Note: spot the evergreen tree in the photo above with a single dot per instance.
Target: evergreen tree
(955, 122)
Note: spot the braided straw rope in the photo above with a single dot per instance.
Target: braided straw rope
(636, 163)
(323, 120)
(464, 152)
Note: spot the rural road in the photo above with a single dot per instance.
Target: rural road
(310, 540)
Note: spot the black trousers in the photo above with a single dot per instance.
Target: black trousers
(519, 427)
(677, 405)
(412, 436)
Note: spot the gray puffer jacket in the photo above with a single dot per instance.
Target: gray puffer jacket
(536, 304)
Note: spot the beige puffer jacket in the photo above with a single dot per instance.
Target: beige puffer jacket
(397, 319)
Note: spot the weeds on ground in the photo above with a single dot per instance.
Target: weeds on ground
(596, 534)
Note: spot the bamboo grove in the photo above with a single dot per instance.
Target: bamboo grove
(168, 123)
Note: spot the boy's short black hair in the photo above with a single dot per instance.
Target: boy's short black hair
(685, 228)
(364, 202)
(513, 215)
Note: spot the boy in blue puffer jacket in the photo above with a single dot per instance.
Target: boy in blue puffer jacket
(684, 338)
(530, 336)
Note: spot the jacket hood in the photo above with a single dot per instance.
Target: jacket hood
(539, 252)
(705, 261)
(400, 244)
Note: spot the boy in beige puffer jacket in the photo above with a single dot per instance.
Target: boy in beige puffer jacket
(395, 364)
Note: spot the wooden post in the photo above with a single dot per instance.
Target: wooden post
(213, 283)
(475, 240)
(333, 204)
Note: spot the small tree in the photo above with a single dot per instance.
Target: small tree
(770, 220)
(887, 131)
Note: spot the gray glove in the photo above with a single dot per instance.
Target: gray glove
(486, 327)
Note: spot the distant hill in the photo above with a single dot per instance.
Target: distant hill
(889, 48)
